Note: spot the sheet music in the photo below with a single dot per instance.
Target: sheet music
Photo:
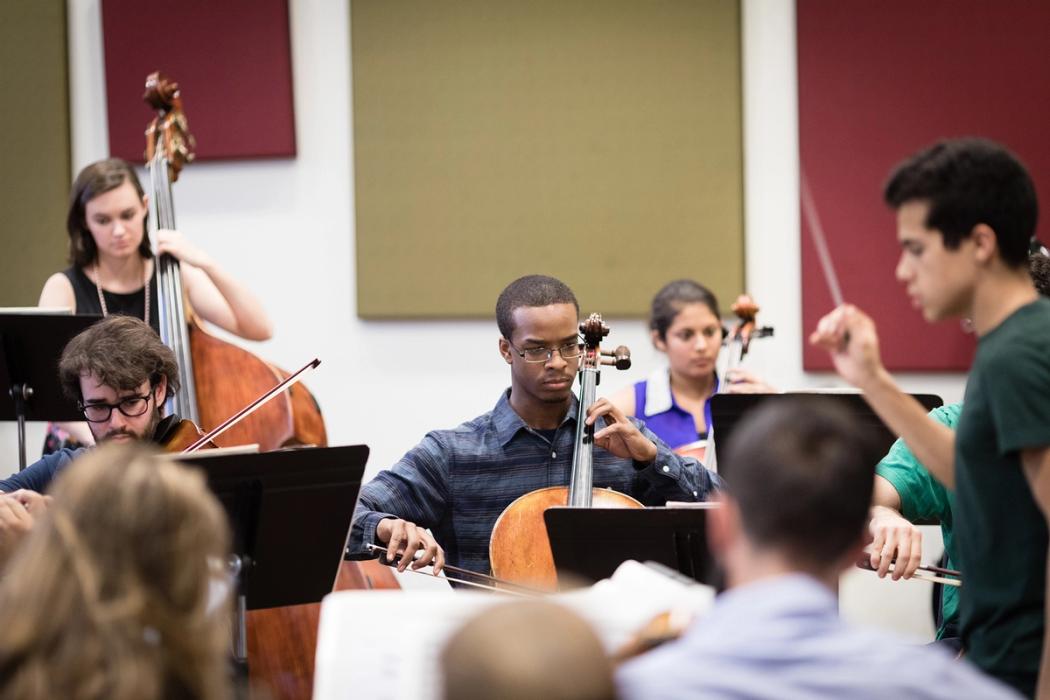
(386, 645)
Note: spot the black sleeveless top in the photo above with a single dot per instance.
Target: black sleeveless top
(134, 304)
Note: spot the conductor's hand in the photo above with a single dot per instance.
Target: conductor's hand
(848, 334)
(18, 510)
(896, 541)
(619, 436)
(404, 538)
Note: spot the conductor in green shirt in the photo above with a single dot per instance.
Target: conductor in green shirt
(966, 215)
(906, 493)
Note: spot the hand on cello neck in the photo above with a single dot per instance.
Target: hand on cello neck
(619, 436)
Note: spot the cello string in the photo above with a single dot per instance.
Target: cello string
(523, 590)
(820, 241)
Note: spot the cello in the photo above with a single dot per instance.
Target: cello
(210, 392)
(519, 550)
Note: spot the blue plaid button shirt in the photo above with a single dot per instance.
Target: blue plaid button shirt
(457, 482)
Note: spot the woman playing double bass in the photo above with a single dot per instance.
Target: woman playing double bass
(112, 266)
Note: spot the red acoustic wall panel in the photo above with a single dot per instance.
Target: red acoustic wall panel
(877, 82)
(232, 60)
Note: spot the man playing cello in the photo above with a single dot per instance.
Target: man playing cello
(457, 482)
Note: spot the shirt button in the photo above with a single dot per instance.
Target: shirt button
(554, 455)
(666, 469)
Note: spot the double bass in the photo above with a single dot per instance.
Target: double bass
(211, 389)
(519, 550)
(218, 378)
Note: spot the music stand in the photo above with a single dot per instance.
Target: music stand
(589, 543)
(31, 341)
(290, 514)
(728, 410)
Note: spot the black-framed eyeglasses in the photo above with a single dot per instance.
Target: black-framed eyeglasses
(569, 351)
(130, 406)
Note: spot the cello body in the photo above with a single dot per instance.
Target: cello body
(519, 549)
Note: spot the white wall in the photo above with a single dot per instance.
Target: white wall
(286, 227)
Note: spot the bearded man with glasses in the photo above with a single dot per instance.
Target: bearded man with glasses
(447, 492)
(119, 374)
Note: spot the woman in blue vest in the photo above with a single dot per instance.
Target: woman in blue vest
(674, 401)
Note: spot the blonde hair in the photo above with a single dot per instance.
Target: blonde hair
(109, 595)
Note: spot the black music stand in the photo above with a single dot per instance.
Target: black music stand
(589, 543)
(290, 514)
(30, 345)
(728, 410)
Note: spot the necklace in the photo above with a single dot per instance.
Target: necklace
(102, 299)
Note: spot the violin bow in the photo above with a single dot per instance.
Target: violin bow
(253, 406)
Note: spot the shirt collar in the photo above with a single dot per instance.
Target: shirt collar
(658, 396)
(508, 423)
(788, 592)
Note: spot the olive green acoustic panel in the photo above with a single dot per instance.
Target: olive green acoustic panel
(34, 124)
(598, 141)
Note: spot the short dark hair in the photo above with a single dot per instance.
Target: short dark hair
(121, 352)
(530, 290)
(802, 473)
(98, 178)
(968, 182)
(675, 296)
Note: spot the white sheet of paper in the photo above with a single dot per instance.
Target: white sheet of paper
(386, 645)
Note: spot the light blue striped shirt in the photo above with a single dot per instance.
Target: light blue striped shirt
(782, 638)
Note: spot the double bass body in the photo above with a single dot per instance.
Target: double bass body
(218, 377)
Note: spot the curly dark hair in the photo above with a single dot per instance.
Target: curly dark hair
(98, 178)
(1039, 268)
(530, 290)
(968, 182)
(121, 352)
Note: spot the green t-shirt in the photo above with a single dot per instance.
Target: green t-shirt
(1001, 534)
(925, 498)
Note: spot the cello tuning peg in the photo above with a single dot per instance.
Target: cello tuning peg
(620, 357)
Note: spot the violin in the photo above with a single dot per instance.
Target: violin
(519, 550)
